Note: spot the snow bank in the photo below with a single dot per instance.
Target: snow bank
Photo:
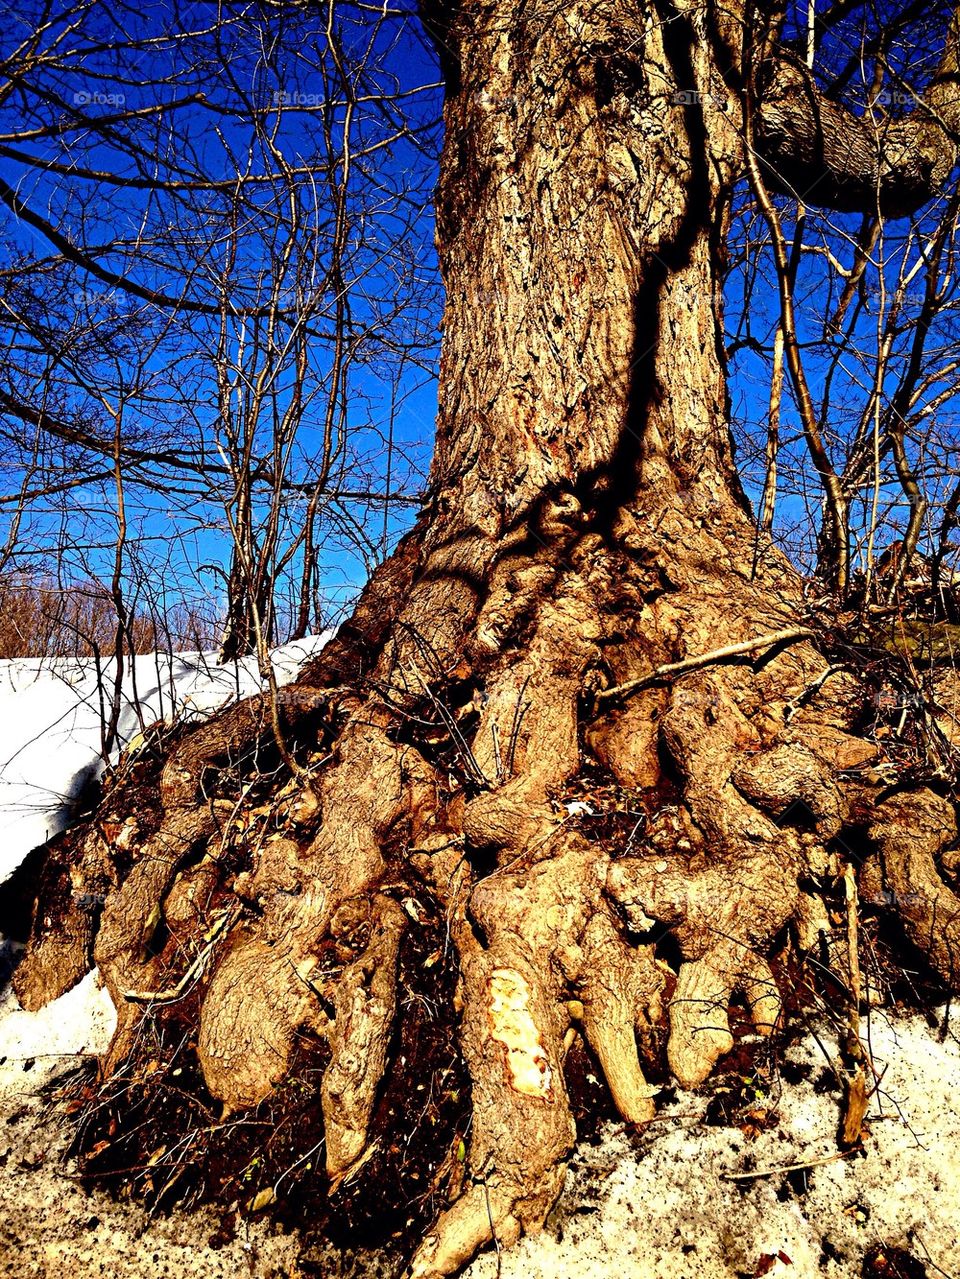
(662, 1208)
(34, 1046)
(51, 712)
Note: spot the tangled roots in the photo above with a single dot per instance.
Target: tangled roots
(286, 914)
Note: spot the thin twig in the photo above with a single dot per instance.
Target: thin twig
(807, 693)
(195, 969)
(770, 1172)
(493, 1229)
(519, 711)
(930, 1260)
(706, 659)
(477, 775)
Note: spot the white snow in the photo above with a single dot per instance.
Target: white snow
(33, 1046)
(660, 1208)
(51, 717)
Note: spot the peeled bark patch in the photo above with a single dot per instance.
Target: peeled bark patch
(513, 1026)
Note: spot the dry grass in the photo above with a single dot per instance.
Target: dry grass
(40, 618)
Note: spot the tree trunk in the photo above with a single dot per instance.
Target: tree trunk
(249, 594)
(585, 529)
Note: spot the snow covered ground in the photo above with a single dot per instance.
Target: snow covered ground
(669, 1208)
(51, 712)
(658, 1207)
(665, 1205)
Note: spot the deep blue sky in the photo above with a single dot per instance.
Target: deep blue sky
(172, 54)
(169, 58)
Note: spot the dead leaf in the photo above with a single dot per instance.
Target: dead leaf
(262, 1199)
(856, 1108)
(768, 1260)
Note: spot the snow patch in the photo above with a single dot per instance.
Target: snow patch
(34, 1046)
(657, 1206)
(51, 712)
(661, 1206)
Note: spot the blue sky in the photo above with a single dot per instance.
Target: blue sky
(389, 244)
(209, 82)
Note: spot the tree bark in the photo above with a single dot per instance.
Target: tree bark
(585, 531)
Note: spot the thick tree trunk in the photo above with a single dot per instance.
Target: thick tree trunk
(585, 529)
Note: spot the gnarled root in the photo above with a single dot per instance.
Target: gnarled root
(523, 1129)
(555, 930)
(314, 902)
(719, 918)
(364, 1001)
(620, 994)
(913, 831)
(547, 934)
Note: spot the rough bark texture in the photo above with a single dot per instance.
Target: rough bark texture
(585, 527)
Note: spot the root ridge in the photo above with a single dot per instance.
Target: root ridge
(547, 843)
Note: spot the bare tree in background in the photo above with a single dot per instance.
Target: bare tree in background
(255, 225)
(862, 350)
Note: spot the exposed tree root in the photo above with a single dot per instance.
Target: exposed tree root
(285, 914)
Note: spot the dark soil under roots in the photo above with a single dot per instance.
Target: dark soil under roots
(153, 1131)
